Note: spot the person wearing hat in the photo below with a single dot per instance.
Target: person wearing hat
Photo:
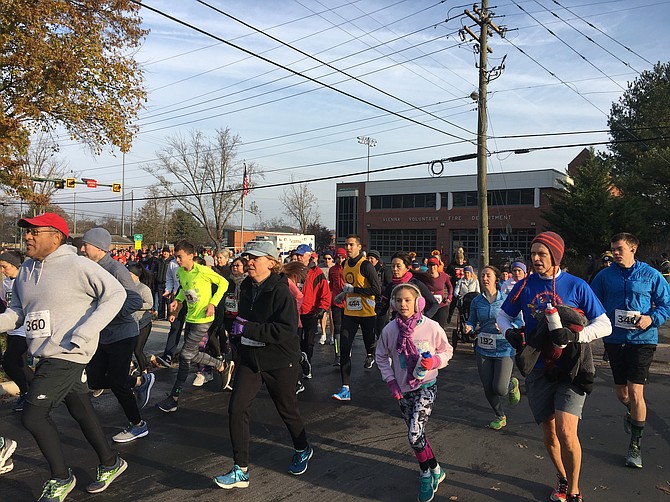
(63, 301)
(328, 257)
(605, 261)
(336, 284)
(555, 396)
(315, 303)
(637, 299)
(519, 271)
(440, 286)
(15, 358)
(466, 284)
(385, 277)
(265, 333)
(108, 369)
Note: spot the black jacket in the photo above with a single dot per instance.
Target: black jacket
(272, 318)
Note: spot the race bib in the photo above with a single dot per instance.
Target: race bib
(251, 343)
(354, 303)
(626, 319)
(38, 324)
(230, 304)
(487, 341)
(438, 298)
(191, 296)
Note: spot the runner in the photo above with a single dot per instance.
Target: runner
(64, 335)
(519, 271)
(336, 284)
(361, 286)
(440, 286)
(411, 350)
(495, 356)
(637, 299)
(556, 398)
(269, 353)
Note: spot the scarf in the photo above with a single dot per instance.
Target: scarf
(406, 347)
(404, 278)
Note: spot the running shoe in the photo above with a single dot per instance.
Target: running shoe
(143, 391)
(634, 456)
(560, 493)
(199, 380)
(336, 362)
(164, 361)
(20, 402)
(234, 478)
(438, 477)
(342, 395)
(498, 423)
(167, 405)
(8, 466)
(627, 427)
(306, 366)
(105, 475)
(514, 396)
(97, 392)
(300, 461)
(299, 387)
(132, 432)
(55, 490)
(7, 447)
(227, 375)
(369, 361)
(426, 491)
(322, 340)
(577, 497)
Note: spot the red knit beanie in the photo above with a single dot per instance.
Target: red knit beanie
(554, 243)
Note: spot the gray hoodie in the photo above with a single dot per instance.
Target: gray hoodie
(64, 302)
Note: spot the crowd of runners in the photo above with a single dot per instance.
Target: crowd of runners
(78, 317)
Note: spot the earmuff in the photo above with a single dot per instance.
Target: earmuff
(419, 304)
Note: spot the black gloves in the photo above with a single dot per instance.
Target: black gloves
(319, 314)
(516, 338)
(562, 336)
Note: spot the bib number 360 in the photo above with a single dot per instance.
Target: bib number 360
(38, 324)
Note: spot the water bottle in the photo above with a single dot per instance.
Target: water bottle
(553, 321)
(420, 371)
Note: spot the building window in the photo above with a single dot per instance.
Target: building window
(512, 197)
(500, 239)
(346, 216)
(387, 242)
(409, 201)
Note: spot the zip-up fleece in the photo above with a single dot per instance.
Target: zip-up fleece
(77, 297)
(272, 318)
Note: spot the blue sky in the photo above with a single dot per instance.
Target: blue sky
(409, 59)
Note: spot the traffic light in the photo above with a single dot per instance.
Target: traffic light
(59, 184)
(116, 187)
(70, 182)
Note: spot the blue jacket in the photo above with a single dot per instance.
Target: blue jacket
(641, 288)
(484, 313)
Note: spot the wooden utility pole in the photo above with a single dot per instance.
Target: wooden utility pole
(483, 19)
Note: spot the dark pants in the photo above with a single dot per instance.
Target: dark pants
(336, 316)
(15, 362)
(380, 322)
(109, 370)
(142, 364)
(174, 335)
(350, 326)
(309, 324)
(442, 315)
(280, 384)
(163, 302)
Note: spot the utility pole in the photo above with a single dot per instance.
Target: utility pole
(483, 19)
(123, 195)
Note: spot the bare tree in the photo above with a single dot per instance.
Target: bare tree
(301, 204)
(204, 177)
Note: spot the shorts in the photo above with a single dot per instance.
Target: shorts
(54, 380)
(547, 396)
(630, 362)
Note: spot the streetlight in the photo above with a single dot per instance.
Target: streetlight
(366, 140)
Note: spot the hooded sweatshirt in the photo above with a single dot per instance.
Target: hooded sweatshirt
(64, 301)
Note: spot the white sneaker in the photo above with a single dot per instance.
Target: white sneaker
(322, 340)
(199, 380)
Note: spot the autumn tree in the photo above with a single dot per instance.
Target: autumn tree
(70, 65)
(204, 177)
(301, 204)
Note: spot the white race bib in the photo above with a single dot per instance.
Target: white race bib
(487, 340)
(251, 343)
(354, 303)
(438, 298)
(191, 296)
(626, 319)
(38, 324)
(230, 304)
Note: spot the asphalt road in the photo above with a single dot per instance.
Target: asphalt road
(361, 450)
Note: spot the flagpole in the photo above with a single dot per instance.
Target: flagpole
(244, 192)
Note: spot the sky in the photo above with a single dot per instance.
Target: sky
(396, 70)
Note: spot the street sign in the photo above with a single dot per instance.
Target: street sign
(138, 245)
(138, 237)
(91, 183)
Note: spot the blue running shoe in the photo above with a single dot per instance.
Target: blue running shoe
(234, 478)
(426, 492)
(143, 391)
(438, 477)
(300, 461)
(342, 395)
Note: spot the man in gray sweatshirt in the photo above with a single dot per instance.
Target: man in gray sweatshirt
(110, 364)
(63, 301)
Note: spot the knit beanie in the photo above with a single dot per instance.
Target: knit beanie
(374, 253)
(554, 243)
(11, 257)
(98, 237)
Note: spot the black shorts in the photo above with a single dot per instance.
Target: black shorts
(54, 380)
(630, 362)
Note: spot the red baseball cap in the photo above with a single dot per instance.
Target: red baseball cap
(433, 261)
(46, 220)
(341, 252)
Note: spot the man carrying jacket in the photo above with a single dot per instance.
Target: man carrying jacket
(637, 300)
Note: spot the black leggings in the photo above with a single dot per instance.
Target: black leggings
(350, 326)
(37, 421)
(139, 348)
(336, 314)
(15, 362)
(309, 324)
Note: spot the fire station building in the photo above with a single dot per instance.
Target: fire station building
(441, 212)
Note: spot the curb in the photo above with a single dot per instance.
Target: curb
(8, 389)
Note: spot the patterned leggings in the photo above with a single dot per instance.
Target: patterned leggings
(416, 407)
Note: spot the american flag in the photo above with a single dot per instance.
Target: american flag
(245, 183)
